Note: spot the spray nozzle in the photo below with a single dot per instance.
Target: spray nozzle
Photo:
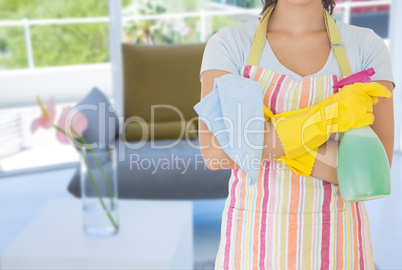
(361, 77)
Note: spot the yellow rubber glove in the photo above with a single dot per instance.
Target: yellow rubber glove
(301, 165)
(302, 131)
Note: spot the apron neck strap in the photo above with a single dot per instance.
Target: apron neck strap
(260, 34)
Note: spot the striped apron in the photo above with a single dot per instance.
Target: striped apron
(287, 221)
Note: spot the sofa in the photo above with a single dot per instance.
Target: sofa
(166, 162)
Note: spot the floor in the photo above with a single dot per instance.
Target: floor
(21, 197)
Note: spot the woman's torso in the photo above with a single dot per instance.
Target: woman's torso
(281, 93)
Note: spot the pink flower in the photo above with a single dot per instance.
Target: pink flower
(46, 119)
(71, 118)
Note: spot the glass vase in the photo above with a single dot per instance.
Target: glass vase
(99, 192)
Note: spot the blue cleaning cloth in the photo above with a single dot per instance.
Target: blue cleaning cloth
(233, 112)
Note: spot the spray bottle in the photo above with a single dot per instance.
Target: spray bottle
(363, 168)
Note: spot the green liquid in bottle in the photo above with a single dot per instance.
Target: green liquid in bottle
(363, 167)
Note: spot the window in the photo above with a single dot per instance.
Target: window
(47, 48)
(369, 13)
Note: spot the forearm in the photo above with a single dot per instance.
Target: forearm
(326, 162)
(272, 144)
(216, 158)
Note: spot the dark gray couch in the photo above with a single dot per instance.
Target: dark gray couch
(194, 182)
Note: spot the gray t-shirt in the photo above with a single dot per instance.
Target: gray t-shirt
(229, 48)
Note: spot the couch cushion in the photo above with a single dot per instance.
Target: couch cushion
(175, 172)
(133, 131)
(162, 75)
(103, 123)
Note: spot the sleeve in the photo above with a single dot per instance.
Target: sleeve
(376, 55)
(221, 52)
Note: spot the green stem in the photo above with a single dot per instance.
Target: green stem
(97, 190)
(105, 179)
(90, 175)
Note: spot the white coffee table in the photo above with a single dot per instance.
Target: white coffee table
(154, 234)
